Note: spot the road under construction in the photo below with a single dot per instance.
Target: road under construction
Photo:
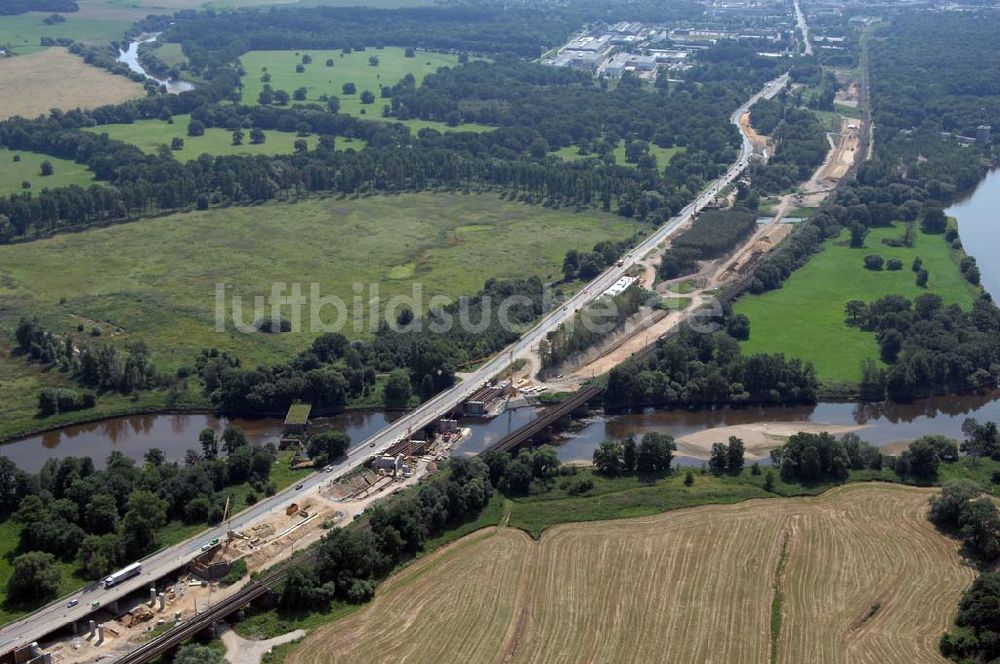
(270, 584)
(78, 606)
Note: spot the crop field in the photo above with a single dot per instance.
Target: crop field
(23, 32)
(14, 173)
(156, 279)
(692, 585)
(318, 79)
(149, 135)
(55, 78)
(805, 317)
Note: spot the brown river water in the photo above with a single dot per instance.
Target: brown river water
(883, 423)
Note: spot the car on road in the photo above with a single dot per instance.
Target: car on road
(73, 602)
(95, 604)
(298, 486)
(328, 469)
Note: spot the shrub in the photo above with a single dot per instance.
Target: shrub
(874, 262)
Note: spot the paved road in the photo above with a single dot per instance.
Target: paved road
(47, 619)
(804, 27)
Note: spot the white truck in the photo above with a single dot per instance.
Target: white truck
(125, 573)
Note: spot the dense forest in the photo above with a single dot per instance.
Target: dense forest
(213, 39)
(800, 145)
(920, 79)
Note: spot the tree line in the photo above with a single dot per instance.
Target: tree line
(696, 369)
(126, 368)
(349, 561)
(513, 159)
(964, 509)
(652, 454)
(102, 519)
(591, 325)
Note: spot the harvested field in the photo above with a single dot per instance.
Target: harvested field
(866, 546)
(693, 585)
(55, 78)
(429, 612)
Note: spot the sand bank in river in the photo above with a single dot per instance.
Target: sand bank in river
(759, 438)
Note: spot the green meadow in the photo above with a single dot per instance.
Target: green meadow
(663, 155)
(318, 79)
(155, 279)
(23, 32)
(805, 317)
(14, 173)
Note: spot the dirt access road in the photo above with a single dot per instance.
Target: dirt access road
(715, 274)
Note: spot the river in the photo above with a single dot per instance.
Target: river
(978, 215)
(882, 424)
(131, 58)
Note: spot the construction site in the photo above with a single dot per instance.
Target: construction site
(225, 565)
(723, 277)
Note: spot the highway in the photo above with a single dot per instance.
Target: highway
(57, 614)
(800, 18)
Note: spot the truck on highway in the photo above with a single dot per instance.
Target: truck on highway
(125, 573)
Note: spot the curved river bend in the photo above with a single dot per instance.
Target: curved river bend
(131, 58)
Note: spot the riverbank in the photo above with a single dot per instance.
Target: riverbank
(975, 214)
